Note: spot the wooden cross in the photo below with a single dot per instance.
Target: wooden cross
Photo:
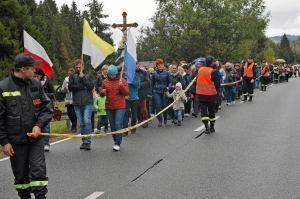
(124, 26)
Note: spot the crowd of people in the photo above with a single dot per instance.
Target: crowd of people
(27, 95)
(120, 104)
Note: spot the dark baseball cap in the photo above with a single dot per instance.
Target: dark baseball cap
(23, 60)
(250, 57)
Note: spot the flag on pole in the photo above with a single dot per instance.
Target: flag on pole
(130, 58)
(121, 55)
(32, 47)
(94, 46)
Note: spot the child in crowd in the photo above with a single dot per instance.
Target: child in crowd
(178, 106)
(99, 106)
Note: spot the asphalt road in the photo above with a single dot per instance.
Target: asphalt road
(253, 154)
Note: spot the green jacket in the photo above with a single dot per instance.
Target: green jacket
(99, 102)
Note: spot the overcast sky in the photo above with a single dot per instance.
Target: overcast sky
(285, 15)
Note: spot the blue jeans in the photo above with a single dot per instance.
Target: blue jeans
(161, 101)
(46, 129)
(102, 118)
(230, 93)
(115, 118)
(178, 115)
(84, 114)
(256, 82)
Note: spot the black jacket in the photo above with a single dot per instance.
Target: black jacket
(144, 85)
(193, 87)
(82, 88)
(23, 105)
(174, 80)
(49, 89)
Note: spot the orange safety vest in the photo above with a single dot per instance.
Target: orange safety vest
(264, 73)
(248, 70)
(204, 85)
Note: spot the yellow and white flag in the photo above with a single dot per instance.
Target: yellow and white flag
(94, 46)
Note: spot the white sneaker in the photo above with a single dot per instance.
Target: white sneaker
(116, 148)
(233, 102)
(219, 107)
(186, 115)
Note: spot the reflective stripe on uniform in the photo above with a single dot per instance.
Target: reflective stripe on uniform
(251, 95)
(22, 186)
(212, 119)
(205, 118)
(246, 94)
(38, 183)
(15, 93)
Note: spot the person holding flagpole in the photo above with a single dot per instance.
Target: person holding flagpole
(115, 88)
(81, 83)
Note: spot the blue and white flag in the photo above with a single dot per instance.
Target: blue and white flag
(130, 58)
(122, 55)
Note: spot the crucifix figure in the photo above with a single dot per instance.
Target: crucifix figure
(124, 26)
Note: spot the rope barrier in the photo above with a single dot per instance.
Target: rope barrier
(121, 131)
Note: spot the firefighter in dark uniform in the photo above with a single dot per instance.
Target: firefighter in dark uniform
(24, 107)
(208, 83)
(276, 74)
(264, 77)
(249, 74)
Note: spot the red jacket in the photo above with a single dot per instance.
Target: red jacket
(114, 93)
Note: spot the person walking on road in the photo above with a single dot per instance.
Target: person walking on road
(264, 77)
(24, 107)
(178, 106)
(69, 102)
(160, 82)
(208, 83)
(249, 74)
(116, 90)
(81, 83)
(50, 92)
(143, 89)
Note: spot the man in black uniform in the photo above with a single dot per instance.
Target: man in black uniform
(208, 83)
(249, 74)
(24, 107)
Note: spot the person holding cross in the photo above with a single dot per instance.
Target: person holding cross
(81, 83)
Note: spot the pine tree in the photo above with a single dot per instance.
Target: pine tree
(285, 51)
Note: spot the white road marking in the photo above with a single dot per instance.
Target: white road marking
(59, 141)
(52, 143)
(202, 126)
(94, 195)
(4, 159)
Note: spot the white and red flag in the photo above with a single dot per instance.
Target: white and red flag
(32, 47)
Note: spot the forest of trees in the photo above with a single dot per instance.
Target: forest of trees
(58, 30)
(230, 30)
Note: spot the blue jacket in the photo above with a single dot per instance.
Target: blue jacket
(133, 87)
(220, 75)
(160, 80)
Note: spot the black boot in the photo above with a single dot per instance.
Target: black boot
(245, 99)
(265, 88)
(207, 131)
(261, 88)
(250, 99)
(212, 127)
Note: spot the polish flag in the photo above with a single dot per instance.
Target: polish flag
(32, 47)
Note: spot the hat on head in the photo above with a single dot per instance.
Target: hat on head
(179, 84)
(112, 70)
(250, 57)
(39, 71)
(23, 60)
